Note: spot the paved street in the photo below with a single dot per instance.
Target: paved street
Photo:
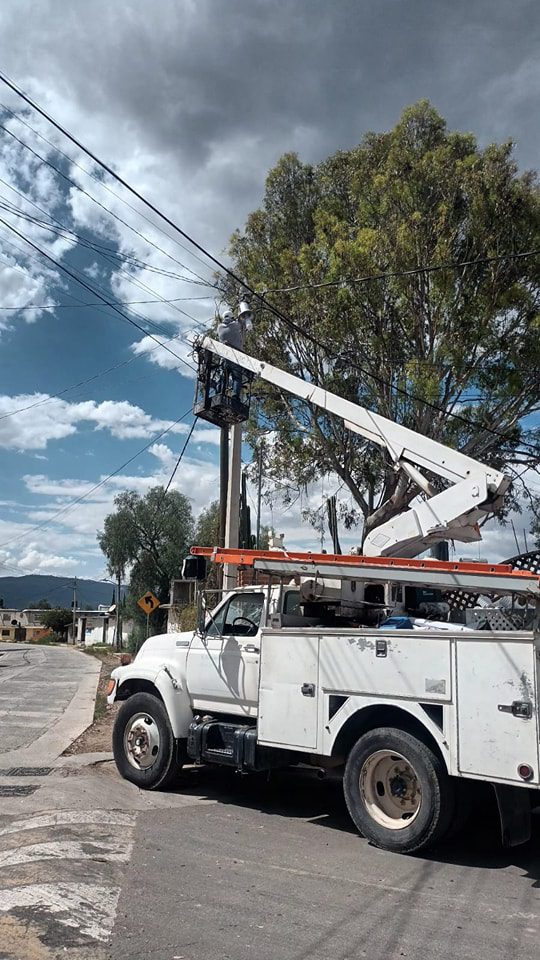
(233, 867)
(38, 713)
(225, 867)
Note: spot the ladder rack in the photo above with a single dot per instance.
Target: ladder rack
(484, 578)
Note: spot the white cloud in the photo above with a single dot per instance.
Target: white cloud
(93, 271)
(33, 429)
(207, 435)
(21, 286)
(166, 357)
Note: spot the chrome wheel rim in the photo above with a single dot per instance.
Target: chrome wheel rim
(390, 789)
(142, 741)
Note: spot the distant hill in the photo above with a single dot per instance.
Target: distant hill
(21, 592)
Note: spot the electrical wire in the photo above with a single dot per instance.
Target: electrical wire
(93, 291)
(388, 275)
(178, 462)
(82, 383)
(96, 486)
(96, 376)
(67, 233)
(105, 186)
(105, 256)
(77, 306)
(113, 303)
(230, 273)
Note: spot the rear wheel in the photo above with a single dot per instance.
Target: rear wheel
(143, 743)
(397, 791)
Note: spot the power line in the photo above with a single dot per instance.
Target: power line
(80, 383)
(112, 302)
(96, 486)
(118, 197)
(67, 233)
(178, 462)
(230, 273)
(106, 256)
(108, 302)
(112, 173)
(77, 306)
(388, 275)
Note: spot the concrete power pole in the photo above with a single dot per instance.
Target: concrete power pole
(118, 611)
(232, 525)
(259, 496)
(231, 332)
(74, 612)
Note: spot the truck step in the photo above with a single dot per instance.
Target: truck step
(224, 755)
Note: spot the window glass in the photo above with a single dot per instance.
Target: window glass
(240, 616)
(291, 603)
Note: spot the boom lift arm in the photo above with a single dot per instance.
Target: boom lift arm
(453, 514)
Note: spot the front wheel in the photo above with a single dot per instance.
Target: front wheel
(397, 791)
(144, 747)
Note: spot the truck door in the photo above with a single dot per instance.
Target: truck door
(497, 707)
(223, 665)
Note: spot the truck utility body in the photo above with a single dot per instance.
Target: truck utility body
(404, 715)
(310, 670)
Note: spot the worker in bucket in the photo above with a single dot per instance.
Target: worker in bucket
(231, 333)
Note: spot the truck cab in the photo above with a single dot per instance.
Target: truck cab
(214, 669)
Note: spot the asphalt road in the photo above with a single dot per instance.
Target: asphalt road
(227, 867)
(275, 870)
(46, 700)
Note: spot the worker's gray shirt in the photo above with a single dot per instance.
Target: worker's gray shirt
(231, 334)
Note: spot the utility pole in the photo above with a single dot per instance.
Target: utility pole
(223, 487)
(74, 612)
(223, 482)
(231, 332)
(259, 497)
(232, 526)
(118, 613)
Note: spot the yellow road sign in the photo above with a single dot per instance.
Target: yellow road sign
(148, 603)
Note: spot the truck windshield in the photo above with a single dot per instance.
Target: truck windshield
(240, 616)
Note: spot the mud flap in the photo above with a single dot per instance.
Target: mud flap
(515, 814)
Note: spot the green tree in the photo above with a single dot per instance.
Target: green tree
(535, 525)
(465, 340)
(151, 535)
(58, 619)
(207, 526)
(39, 605)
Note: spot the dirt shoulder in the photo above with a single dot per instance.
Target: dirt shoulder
(97, 738)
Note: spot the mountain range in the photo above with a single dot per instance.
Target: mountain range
(20, 592)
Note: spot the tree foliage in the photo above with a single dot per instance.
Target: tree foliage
(151, 535)
(463, 340)
(535, 526)
(207, 526)
(40, 605)
(57, 619)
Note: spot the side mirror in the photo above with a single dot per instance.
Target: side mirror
(200, 627)
(194, 568)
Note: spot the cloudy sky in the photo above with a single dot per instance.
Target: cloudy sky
(192, 101)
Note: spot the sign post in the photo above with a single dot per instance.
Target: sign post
(148, 603)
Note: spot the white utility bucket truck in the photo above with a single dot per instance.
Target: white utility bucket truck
(307, 667)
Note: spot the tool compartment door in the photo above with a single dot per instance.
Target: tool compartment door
(492, 675)
(289, 690)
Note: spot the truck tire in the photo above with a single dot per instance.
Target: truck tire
(144, 747)
(397, 791)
